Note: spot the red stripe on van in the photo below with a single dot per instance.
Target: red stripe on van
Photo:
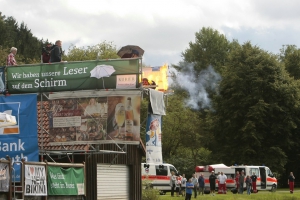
(154, 177)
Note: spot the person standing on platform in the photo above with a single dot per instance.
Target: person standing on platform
(11, 61)
(56, 52)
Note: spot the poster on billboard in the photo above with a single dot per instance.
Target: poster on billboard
(4, 177)
(35, 180)
(153, 139)
(20, 140)
(62, 181)
(2, 79)
(93, 117)
(71, 76)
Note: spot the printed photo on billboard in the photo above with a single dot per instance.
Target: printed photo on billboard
(97, 119)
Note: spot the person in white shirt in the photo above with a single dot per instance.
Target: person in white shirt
(183, 185)
(222, 181)
(173, 182)
(195, 183)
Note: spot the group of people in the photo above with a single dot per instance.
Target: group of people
(51, 53)
(250, 181)
(184, 187)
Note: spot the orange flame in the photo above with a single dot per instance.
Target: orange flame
(159, 77)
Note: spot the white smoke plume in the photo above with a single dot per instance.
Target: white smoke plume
(197, 86)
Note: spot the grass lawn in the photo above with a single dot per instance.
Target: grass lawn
(282, 194)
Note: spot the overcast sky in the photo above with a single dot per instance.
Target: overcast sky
(163, 28)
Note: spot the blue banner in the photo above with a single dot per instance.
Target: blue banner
(2, 79)
(18, 140)
(153, 139)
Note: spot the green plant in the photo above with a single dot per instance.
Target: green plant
(148, 192)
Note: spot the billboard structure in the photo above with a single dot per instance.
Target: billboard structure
(88, 75)
(93, 117)
(20, 140)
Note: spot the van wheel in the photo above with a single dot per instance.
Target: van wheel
(162, 192)
(274, 188)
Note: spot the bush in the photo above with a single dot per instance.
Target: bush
(148, 192)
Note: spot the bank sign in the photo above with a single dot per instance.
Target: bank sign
(107, 74)
(20, 140)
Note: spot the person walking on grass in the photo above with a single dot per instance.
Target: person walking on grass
(241, 182)
(201, 182)
(189, 189)
(254, 178)
(291, 181)
(212, 183)
(173, 183)
(195, 183)
(248, 182)
(183, 185)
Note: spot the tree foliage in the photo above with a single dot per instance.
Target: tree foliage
(210, 48)
(290, 57)
(103, 50)
(12, 34)
(256, 110)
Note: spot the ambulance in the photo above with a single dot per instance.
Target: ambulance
(159, 175)
(217, 168)
(265, 178)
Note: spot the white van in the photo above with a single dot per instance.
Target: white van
(265, 178)
(159, 175)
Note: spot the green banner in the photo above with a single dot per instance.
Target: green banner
(70, 76)
(65, 181)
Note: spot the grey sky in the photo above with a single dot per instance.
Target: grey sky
(163, 28)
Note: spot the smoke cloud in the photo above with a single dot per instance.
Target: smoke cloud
(196, 85)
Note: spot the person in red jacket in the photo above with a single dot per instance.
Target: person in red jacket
(237, 177)
(291, 181)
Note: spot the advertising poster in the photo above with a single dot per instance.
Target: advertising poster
(95, 117)
(35, 180)
(68, 181)
(19, 140)
(4, 177)
(2, 79)
(70, 76)
(153, 139)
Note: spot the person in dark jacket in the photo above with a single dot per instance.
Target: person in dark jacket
(46, 51)
(56, 52)
(254, 178)
(212, 183)
(201, 182)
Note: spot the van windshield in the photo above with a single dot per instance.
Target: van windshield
(172, 168)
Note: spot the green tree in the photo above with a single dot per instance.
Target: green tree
(210, 48)
(12, 34)
(256, 111)
(290, 56)
(183, 132)
(104, 50)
